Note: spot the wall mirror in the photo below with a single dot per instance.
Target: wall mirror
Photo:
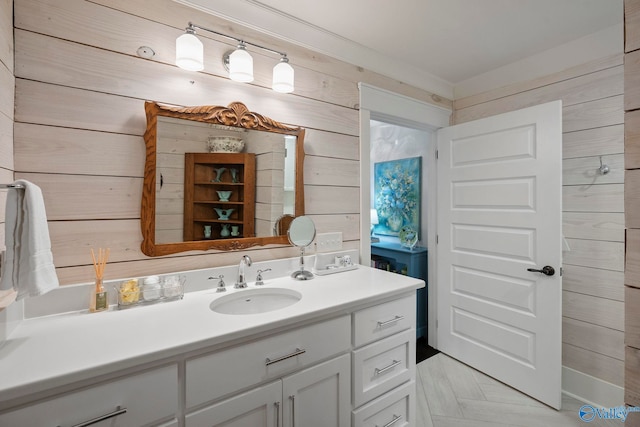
(200, 193)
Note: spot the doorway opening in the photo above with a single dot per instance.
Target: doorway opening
(399, 158)
(394, 126)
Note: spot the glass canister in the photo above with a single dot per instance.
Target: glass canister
(151, 290)
(173, 286)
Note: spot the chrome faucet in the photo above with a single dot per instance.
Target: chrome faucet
(245, 261)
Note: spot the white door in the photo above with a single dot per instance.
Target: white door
(499, 215)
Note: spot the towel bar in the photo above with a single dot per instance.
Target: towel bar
(11, 186)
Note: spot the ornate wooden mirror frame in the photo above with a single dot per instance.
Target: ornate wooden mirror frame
(235, 115)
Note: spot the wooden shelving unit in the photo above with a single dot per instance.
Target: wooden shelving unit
(201, 197)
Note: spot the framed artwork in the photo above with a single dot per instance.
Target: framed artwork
(397, 189)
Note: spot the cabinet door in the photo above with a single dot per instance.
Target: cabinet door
(136, 400)
(259, 407)
(318, 396)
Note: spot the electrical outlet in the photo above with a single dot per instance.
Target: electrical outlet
(328, 242)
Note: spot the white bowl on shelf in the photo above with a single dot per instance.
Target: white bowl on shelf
(225, 144)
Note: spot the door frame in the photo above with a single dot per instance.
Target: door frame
(389, 107)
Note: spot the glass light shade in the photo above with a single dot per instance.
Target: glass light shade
(241, 65)
(374, 217)
(283, 77)
(189, 52)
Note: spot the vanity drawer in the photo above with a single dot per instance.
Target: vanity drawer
(148, 397)
(382, 320)
(396, 408)
(383, 365)
(218, 374)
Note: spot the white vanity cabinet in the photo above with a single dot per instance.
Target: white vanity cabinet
(384, 360)
(316, 396)
(344, 356)
(146, 398)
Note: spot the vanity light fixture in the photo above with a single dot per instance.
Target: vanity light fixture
(239, 63)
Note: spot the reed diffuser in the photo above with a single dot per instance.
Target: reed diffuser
(99, 301)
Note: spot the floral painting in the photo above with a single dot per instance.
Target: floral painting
(397, 195)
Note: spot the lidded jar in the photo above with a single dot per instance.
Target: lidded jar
(151, 289)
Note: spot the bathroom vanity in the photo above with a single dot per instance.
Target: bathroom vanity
(341, 355)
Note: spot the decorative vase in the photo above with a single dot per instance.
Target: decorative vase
(223, 196)
(219, 172)
(234, 175)
(225, 144)
(408, 237)
(223, 214)
(235, 230)
(394, 222)
(225, 230)
(207, 231)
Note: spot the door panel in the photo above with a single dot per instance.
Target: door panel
(316, 396)
(499, 214)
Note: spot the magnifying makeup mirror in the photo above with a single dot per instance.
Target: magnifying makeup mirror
(301, 233)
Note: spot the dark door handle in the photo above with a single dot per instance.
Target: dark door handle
(546, 270)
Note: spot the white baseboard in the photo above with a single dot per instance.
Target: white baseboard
(591, 390)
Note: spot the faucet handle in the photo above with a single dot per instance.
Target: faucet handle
(221, 286)
(259, 281)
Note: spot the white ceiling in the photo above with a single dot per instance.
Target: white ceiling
(451, 40)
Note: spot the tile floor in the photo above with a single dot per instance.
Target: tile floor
(451, 394)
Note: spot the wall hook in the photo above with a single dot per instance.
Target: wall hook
(603, 169)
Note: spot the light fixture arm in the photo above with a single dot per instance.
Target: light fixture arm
(191, 28)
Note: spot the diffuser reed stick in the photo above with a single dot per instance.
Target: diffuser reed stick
(99, 301)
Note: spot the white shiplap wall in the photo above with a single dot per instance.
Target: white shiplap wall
(7, 85)
(593, 205)
(8, 317)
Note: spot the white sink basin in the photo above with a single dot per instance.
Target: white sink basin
(254, 301)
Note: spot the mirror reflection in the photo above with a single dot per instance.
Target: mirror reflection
(218, 178)
(217, 182)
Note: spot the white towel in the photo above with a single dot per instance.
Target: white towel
(28, 268)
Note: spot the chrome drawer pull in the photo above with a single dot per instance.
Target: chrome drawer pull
(293, 410)
(277, 404)
(393, 364)
(395, 419)
(115, 413)
(395, 319)
(298, 352)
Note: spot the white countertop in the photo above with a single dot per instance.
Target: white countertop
(53, 351)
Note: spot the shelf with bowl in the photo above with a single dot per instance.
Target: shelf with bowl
(222, 181)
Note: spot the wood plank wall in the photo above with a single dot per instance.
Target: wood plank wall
(593, 204)
(632, 202)
(80, 89)
(7, 90)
